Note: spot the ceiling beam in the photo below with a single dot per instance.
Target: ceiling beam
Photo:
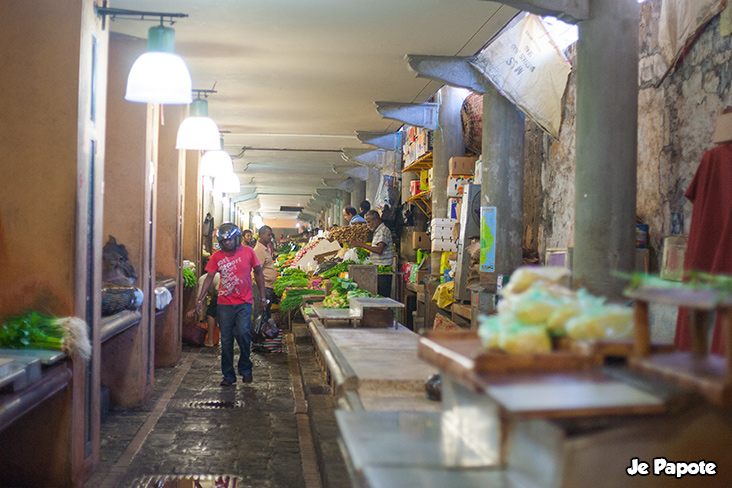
(570, 11)
(453, 70)
(384, 140)
(417, 114)
(375, 158)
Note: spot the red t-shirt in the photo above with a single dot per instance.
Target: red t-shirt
(710, 235)
(235, 269)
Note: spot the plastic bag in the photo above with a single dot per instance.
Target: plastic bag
(264, 328)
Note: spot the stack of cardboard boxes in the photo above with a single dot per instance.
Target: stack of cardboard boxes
(417, 142)
(461, 171)
(442, 236)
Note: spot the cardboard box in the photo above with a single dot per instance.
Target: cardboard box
(414, 187)
(453, 207)
(424, 180)
(444, 245)
(456, 185)
(462, 166)
(420, 240)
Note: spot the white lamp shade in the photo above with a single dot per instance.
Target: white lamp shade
(214, 163)
(198, 133)
(227, 183)
(159, 77)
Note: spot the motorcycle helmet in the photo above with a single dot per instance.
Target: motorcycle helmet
(228, 230)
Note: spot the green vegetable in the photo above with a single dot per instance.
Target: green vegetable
(189, 278)
(34, 330)
(335, 300)
(342, 286)
(337, 269)
(362, 254)
(293, 272)
(293, 298)
(295, 281)
(384, 269)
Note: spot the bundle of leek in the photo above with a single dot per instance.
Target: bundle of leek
(34, 330)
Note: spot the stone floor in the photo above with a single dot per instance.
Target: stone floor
(259, 433)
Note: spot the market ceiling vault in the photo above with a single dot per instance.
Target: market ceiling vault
(297, 81)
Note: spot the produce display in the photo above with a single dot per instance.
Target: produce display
(348, 233)
(292, 298)
(189, 278)
(337, 269)
(342, 290)
(33, 330)
(537, 307)
(290, 281)
(300, 253)
(326, 265)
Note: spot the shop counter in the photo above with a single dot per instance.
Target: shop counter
(373, 369)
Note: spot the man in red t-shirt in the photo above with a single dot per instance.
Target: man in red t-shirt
(234, 263)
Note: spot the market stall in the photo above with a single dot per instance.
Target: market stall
(560, 388)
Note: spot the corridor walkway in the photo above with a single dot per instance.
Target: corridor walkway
(257, 434)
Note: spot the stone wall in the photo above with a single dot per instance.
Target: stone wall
(675, 124)
(676, 119)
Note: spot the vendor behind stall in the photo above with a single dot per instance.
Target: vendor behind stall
(380, 248)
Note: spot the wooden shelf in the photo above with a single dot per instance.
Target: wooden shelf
(705, 374)
(465, 311)
(420, 164)
(535, 394)
(711, 376)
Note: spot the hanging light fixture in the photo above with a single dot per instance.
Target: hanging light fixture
(218, 162)
(227, 183)
(158, 75)
(198, 131)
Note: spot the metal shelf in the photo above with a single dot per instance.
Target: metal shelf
(420, 164)
(423, 200)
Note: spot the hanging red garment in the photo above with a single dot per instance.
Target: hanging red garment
(709, 247)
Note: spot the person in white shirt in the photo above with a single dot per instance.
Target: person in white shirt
(381, 250)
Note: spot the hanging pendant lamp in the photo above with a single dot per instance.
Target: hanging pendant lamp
(198, 131)
(227, 183)
(159, 75)
(215, 163)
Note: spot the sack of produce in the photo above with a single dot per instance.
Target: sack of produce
(524, 277)
(348, 233)
(603, 322)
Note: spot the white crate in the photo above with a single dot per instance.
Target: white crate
(444, 245)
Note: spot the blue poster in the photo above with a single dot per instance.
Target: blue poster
(487, 239)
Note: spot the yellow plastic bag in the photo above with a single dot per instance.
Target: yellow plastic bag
(444, 294)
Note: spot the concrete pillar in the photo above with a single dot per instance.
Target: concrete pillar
(218, 211)
(448, 142)
(372, 185)
(168, 261)
(130, 215)
(192, 211)
(345, 201)
(358, 194)
(607, 128)
(502, 180)
(407, 179)
(51, 209)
